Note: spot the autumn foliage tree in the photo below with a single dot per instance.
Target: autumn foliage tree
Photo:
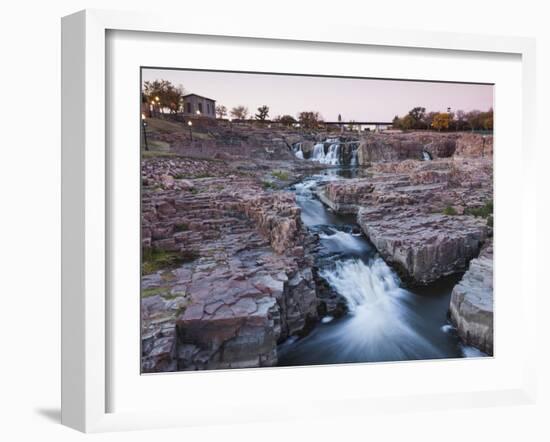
(418, 118)
(161, 95)
(441, 121)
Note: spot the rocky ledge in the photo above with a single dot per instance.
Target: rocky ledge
(471, 307)
(423, 247)
(227, 272)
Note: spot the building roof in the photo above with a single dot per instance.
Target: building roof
(200, 96)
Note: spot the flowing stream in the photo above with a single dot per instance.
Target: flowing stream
(385, 322)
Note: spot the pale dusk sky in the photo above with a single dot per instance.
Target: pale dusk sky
(355, 99)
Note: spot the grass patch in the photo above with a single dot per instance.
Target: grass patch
(449, 210)
(484, 211)
(268, 185)
(280, 174)
(146, 293)
(153, 260)
(157, 154)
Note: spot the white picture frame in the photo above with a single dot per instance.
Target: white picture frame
(85, 200)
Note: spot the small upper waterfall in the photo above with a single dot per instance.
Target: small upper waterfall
(331, 151)
(353, 161)
(426, 156)
(297, 149)
(332, 155)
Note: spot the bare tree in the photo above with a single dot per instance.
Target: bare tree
(239, 112)
(221, 111)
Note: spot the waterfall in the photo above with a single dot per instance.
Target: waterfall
(426, 156)
(332, 156)
(363, 286)
(297, 149)
(381, 320)
(353, 161)
(318, 152)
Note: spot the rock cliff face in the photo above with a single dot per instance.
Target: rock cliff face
(242, 278)
(398, 147)
(474, 145)
(471, 307)
(403, 146)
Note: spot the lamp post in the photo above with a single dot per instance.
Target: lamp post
(144, 125)
(190, 124)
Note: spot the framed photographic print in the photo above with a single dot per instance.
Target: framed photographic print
(253, 217)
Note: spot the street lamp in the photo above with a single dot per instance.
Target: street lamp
(190, 124)
(144, 125)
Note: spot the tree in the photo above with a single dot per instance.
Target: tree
(417, 116)
(263, 112)
(474, 119)
(441, 121)
(429, 118)
(161, 95)
(309, 119)
(488, 120)
(239, 112)
(287, 120)
(221, 111)
(460, 120)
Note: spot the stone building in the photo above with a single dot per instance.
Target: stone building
(194, 105)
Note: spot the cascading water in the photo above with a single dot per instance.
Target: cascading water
(332, 156)
(385, 322)
(354, 153)
(297, 149)
(426, 156)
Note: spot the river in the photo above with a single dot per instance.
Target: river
(385, 321)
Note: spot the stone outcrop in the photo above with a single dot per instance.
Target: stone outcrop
(242, 278)
(471, 309)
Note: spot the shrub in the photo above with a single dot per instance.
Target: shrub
(449, 210)
(280, 174)
(484, 211)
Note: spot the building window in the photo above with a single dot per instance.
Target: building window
(207, 108)
(189, 109)
(200, 108)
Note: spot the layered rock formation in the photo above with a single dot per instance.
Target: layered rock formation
(240, 279)
(471, 309)
(417, 213)
(423, 247)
